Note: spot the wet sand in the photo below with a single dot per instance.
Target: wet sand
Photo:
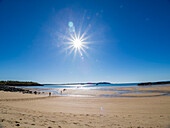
(36, 111)
(144, 88)
(86, 92)
(118, 91)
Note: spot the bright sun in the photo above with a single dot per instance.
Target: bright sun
(77, 43)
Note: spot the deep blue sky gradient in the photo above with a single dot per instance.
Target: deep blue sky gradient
(129, 40)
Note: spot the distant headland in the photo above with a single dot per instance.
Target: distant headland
(20, 83)
(94, 83)
(154, 83)
(30, 83)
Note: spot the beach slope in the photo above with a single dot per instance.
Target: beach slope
(36, 111)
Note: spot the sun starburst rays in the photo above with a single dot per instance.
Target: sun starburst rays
(77, 43)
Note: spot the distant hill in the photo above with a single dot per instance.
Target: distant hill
(103, 83)
(154, 83)
(80, 83)
(19, 83)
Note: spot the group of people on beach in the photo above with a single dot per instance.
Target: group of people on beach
(50, 93)
(60, 92)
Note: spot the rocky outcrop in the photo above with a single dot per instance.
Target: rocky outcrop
(13, 89)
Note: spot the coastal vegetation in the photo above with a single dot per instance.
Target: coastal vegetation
(20, 83)
(103, 83)
(10, 86)
(154, 83)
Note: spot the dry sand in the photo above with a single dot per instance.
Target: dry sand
(35, 111)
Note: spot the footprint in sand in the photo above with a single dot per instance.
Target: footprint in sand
(87, 125)
(75, 123)
(52, 121)
(17, 124)
(2, 120)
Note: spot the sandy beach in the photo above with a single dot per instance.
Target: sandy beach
(38, 111)
(84, 64)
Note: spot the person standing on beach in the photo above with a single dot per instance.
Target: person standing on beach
(49, 93)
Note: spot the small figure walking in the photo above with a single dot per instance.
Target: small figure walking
(35, 92)
(49, 93)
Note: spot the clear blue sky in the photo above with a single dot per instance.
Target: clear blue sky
(129, 40)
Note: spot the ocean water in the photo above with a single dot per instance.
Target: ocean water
(55, 89)
(82, 86)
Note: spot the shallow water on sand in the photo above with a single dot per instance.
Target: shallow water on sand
(61, 89)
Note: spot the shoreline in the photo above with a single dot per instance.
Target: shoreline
(107, 91)
(38, 111)
(85, 112)
(126, 91)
